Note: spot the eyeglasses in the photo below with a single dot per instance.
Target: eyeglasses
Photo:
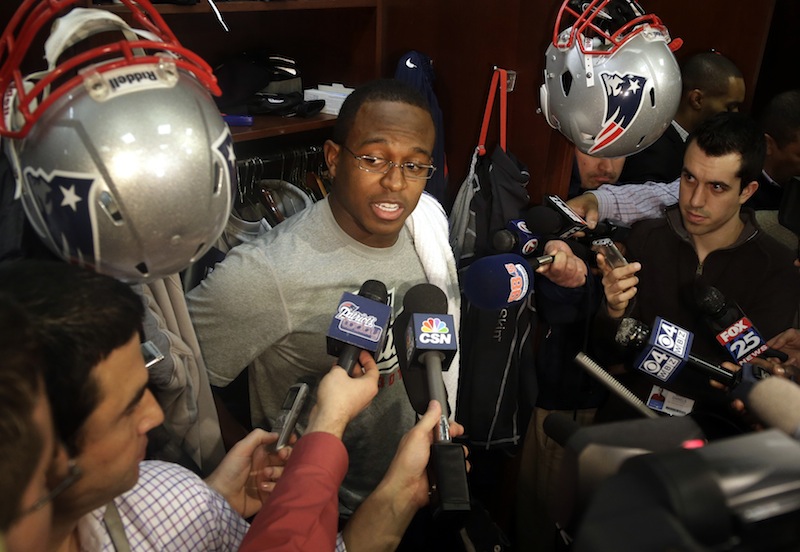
(379, 165)
(73, 474)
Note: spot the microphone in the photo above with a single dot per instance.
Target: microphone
(666, 350)
(733, 329)
(430, 341)
(776, 402)
(498, 281)
(525, 236)
(613, 385)
(571, 222)
(360, 323)
(515, 238)
(614, 229)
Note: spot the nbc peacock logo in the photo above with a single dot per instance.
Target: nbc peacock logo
(434, 325)
(435, 330)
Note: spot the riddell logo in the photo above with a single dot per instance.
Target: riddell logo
(736, 329)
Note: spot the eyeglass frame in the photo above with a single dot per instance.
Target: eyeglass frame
(73, 474)
(391, 164)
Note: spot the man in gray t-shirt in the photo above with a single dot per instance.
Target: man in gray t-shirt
(270, 302)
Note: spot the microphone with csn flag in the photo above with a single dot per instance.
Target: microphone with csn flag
(430, 343)
(360, 323)
(733, 328)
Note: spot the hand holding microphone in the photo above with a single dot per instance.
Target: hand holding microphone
(429, 342)
(566, 269)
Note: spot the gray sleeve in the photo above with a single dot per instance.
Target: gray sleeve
(632, 202)
(238, 312)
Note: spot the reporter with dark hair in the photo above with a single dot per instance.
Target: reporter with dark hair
(30, 457)
(708, 239)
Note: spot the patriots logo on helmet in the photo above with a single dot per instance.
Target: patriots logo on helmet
(623, 103)
(223, 149)
(67, 201)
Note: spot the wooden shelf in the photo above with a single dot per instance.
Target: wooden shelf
(267, 126)
(351, 56)
(202, 6)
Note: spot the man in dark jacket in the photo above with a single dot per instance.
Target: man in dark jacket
(709, 239)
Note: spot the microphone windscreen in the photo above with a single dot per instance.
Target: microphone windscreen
(503, 240)
(709, 300)
(776, 402)
(497, 281)
(425, 299)
(560, 427)
(374, 290)
(542, 221)
(632, 333)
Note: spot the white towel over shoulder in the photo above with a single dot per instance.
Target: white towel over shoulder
(429, 229)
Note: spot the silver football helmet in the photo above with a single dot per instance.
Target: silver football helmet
(611, 82)
(122, 159)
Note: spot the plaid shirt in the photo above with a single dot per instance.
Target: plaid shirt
(169, 509)
(632, 202)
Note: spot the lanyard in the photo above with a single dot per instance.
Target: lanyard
(115, 529)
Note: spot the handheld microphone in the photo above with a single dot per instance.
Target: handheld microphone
(515, 238)
(733, 329)
(614, 229)
(498, 281)
(360, 323)
(526, 236)
(666, 350)
(571, 222)
(430, 341)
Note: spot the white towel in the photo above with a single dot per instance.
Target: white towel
(430, 231)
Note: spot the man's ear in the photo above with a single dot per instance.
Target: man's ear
(696, 99)
(748, 191)
(772, 146)
(331, 151)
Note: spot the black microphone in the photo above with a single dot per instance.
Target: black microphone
(571, 222)
(526, 236)
(430, 341)
(666, 350)
(360, 323)
(499, 281)
(733, 329)
(613, 229)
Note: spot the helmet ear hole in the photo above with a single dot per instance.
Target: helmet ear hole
(566, 82)
(142, 268)
(652, 97)
(111, 208)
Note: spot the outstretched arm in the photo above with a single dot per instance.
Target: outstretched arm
(302, 513)
(381, 520)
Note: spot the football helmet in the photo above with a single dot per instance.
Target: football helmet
(122, 159)
(611, 82)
